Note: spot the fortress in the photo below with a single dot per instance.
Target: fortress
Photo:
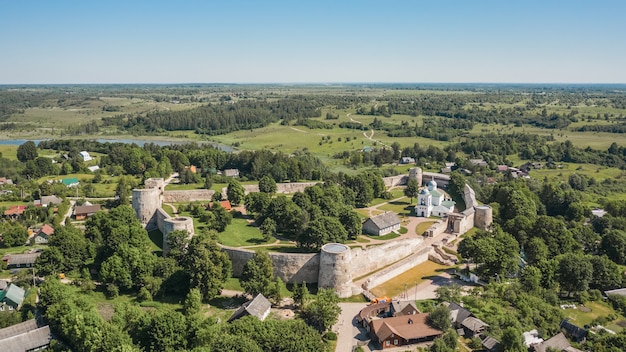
(337, 265)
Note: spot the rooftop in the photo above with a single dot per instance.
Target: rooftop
(385, 219)
(86, 209)
(408, 327)
(24, 336)
(20, 259)
(258, 307)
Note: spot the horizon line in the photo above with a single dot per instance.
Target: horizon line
(316, 83)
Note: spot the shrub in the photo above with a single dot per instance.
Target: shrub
(112, 291)
(330, 336)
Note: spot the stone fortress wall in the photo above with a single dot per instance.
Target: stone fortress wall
(336, 265)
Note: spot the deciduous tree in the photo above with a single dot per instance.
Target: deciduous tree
(322, 312)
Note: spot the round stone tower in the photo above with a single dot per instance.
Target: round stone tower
(483, 217)
(174, 224)
(335, 270)
(417, 174)
(145, 203)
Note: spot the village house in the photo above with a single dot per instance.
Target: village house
(15, 211)
(478, 162)
(11, 298)
(93, 168)
(531, 338)
(47, 200)
(431, 201)
(258, 307)
(25, 260)
(557, 343)
(382, 224)
(25, 336)
(385, 309)
(396, 323)
(42, 236)
(231, 172)
(5, 181)
(464, 319)
(574, 331)
(85, 156)
(407, 160)
(82, 212)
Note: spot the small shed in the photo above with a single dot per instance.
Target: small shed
(258, 307)
(490, 344)
(231, 172)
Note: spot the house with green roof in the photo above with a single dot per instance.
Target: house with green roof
(12, 297)
(70, 182)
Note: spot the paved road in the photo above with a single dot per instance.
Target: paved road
(346, 327)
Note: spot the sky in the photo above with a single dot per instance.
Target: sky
(316, 41)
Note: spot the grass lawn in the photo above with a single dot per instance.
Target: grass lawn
(354, 299)
(401, 207)
(233, 284)
(411, 277)
(598, 309)
(156, 240)
(241, 233)
(11, 203)
(386, 237)
(168, 209)
(9, 151)
(423, 226)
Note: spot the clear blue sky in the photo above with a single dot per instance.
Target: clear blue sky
(270, 41)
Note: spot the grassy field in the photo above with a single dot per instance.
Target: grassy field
(241, 233)
(386, 237)
(596, 140)
(423, 226)
(402, 207)
(9, 151)
(598, 309)
(412, 277)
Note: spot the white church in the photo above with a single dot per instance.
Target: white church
(432, 201)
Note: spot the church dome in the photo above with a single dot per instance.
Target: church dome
(424, 191)
(432, 185)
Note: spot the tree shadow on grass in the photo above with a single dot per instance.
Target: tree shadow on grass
(227, 302)
(256, 241)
